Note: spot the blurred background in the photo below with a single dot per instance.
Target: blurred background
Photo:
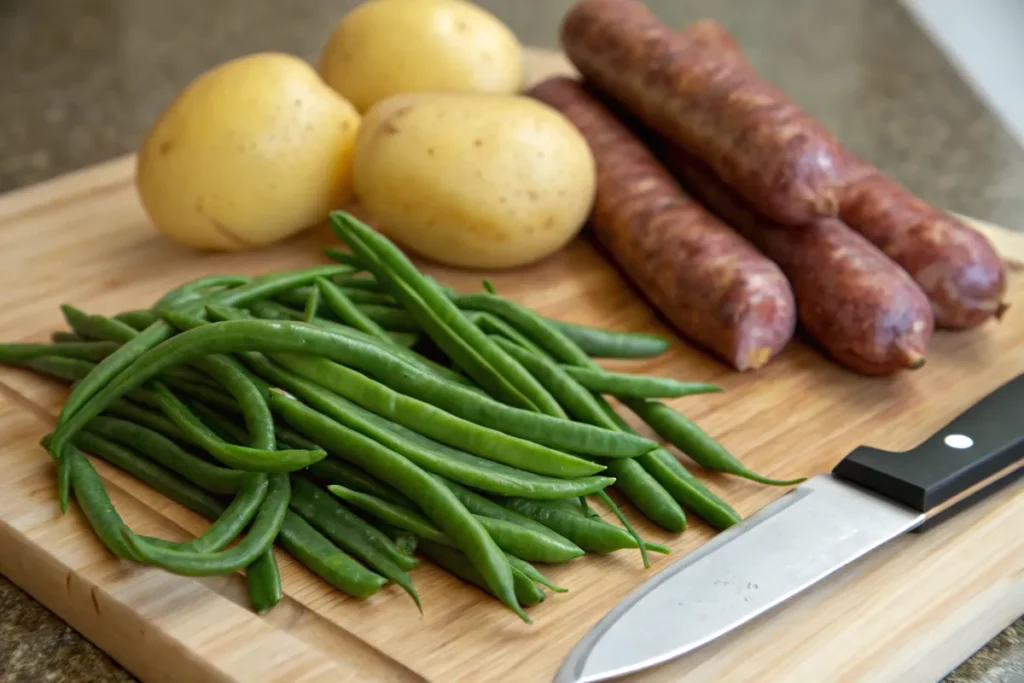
(81, 80)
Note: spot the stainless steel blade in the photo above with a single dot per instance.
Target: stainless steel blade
(791, 544)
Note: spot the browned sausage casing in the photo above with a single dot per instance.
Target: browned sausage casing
(861, 307)
(956, 266)
(695, 88)
(708, 281)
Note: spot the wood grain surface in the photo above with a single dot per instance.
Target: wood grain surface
(909, 612)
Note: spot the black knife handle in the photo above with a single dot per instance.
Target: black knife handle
(966, 459)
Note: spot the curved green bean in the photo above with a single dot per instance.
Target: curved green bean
(257, 541)
(692, 440)
(236, 516)
(62, 337)
(175, 297)
(271, 310)
(421, 487)
(171, 485)
(233, 455)
(465, 468)
(96, 505)
(170, 455)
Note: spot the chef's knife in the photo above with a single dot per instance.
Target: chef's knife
(869, 498)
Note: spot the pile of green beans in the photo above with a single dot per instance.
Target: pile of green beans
(360, 417)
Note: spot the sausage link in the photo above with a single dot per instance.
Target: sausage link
(956, 265)
(861, 307)
(695, 88)
(713, 286)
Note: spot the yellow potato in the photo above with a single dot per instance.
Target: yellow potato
(387, 47)
(249, 153)
(481, 181)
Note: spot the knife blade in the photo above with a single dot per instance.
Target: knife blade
(869, 498)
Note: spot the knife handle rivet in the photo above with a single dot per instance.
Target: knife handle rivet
(958, 441)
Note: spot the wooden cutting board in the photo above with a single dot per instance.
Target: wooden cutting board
(909, 612)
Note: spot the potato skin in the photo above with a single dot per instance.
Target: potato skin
(470, 180)
(388, 47)
(252, 151)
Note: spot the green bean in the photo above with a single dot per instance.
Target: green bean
(350, 533)
(639, 486)
(431, 421)
(519, 540)
(96, 505)
(257, 541)
(366, 296)
(158, 478)
(346, 257)
(351, 315)
(592, 535)
(334, 471)
(692, 440)
(665, 469)
(394, 515)
(233, 455)
(312, 305)
(494, 325)
(96, 327)
(422, 488)
(326, 560)
(534, 574)
(466, 345)
(485, 507)
(233, 378)
(265, 336)
(138, 320)
(226, 428)
(62, 337)
(354, 281)
(150, 419)
(264, 579)
(468, 469)
(636, 386)
(346, 310)
(230, 523)
(271, 310)
(88, 350)
(58, 367)
(391, 318)
(165, 452)
(175, 298)
(309, 499)
(458, 564)
(111, 366)
(601, 343)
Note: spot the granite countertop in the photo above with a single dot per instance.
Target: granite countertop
(81, 80)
